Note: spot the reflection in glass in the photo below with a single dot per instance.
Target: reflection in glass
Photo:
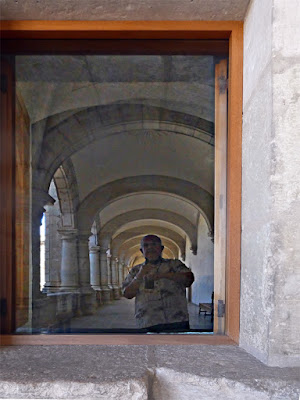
(110, 148)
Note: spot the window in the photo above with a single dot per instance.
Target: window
(229, 254)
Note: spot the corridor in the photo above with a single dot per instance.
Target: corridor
(123, 147)
(119, 315)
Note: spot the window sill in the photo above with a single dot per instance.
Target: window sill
(109, 339)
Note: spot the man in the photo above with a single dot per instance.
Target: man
(158, 286)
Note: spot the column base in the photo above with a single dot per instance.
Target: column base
(73, 289)
(51, 289)
(87, 303)
(98, 294)
(86, 289)
(116, 293)
(106, 295)
(99, 300)
(96, 287)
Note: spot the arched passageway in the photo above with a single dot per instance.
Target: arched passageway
(113, 160)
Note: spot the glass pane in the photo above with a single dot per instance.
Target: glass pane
(110, 149)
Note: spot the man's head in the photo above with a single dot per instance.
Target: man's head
(151, 247)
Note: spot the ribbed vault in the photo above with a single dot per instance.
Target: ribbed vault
(97, 200)
(174, 219)
(57, 142)
(163, 232)
(134, 244)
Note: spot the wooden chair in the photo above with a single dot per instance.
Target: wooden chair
(207, 308)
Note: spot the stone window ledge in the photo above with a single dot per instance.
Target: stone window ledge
(142, 372)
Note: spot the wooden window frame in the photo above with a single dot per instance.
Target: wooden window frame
(33, 35)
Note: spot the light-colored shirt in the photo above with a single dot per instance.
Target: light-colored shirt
(164, 304)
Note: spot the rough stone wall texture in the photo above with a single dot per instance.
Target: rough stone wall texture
(270, 193)
(124, 10)
(285, 173)
(142, 372)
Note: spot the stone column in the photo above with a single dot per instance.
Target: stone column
(104, 276)
(121, 267)
(115, 278)
(52, 249)
(39, 200)
(95, 267)
(69, 260)
(84, 263)
(124, 270)
(36, 297)
(87, 294)
(109, 274)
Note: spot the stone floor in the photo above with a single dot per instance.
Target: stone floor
(119, 314)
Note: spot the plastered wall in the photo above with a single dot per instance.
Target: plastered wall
(270, 190)
(202, 265)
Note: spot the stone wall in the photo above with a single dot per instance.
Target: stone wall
(270, 190)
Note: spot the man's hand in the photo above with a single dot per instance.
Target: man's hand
(132, 289)
(147, 269)
(186, 278)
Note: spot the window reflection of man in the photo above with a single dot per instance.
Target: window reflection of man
(158, 286)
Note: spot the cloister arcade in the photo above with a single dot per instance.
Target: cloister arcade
(119, 147)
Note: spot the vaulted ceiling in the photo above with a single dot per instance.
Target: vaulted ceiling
(136, 134)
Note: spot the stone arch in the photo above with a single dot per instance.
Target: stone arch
(67, 192)
(144, 230)
(69, 135)
(174, 219)
(135, 243)
(135, 258)
(130, 259)
(105, 194)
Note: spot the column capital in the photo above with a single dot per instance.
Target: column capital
(68, 234)
(103, 250)
(40, 199)
(194, 249)
(95, 249)
(84, 236)
(108, 253)
(211, 235)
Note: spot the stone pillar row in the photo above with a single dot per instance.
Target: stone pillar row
(85, 270)
(89, 272)
(105, 277)
(89, 276)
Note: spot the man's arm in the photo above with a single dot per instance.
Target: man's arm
(130, 291)
(185, 278)
(131, 288)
